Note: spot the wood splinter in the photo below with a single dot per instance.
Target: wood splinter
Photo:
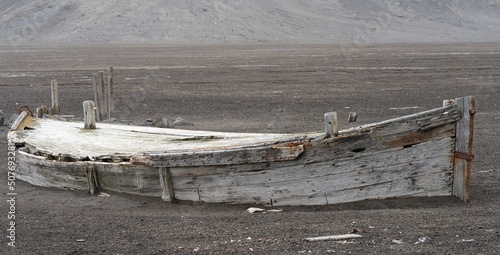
(333, 238)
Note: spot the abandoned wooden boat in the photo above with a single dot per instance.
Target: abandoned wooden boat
(423, 154)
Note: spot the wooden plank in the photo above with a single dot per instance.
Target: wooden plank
(166, 185)
(226, 156)
(21, 119)
(443, 111)
(119, 177)
(420, 170)
(39, 171)
(89, 115)
(463, 148)
(331, 124)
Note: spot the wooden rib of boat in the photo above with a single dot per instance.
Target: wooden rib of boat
(423, 154)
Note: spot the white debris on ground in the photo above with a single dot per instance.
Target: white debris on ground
(260, 210)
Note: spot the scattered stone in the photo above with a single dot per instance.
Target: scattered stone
(148, 122)
(180, 121)
(260, 210)
(127, 122)
(161, 122)
(352, 117)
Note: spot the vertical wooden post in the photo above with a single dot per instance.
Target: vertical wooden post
(89, 115)
(97, 96)
(54, 110)
(92, 181)
(42, 110)
(111, 92)
(104, 96)
(166, 185)
(463, 148)
(331, 126)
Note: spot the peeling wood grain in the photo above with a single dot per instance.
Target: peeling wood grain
(226, 157)
(414, 155)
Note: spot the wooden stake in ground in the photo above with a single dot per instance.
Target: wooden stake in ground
(104, 97)
(42, 110)
(111, 93)
(54, 110)
(89, 115)
(97, 99)
(331, 126)
(100, 96)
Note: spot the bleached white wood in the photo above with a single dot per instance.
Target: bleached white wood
(331, 124)
(408, 156)
(226, 157)
(23, 117)
(89, 115)
(334, 237)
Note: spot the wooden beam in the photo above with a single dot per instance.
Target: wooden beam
(331, 125)
(463, 148)
(166, 185)
(89, 115)
(92, 181)
(54, 109)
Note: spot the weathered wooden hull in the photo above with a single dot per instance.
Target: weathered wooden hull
(415, 155)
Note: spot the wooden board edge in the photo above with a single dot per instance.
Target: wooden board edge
(463, 148)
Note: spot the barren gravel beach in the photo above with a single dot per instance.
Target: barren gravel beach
(254, 66)
(259, 89)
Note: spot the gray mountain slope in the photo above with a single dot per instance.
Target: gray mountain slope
(257, 21)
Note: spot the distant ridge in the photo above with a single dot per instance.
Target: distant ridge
(256, 21)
